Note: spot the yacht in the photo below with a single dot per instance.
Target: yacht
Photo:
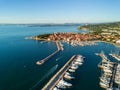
(67, 73)
(117, 75)
(55, 88)
(74, 66)
(104, 85)
(79, 60)
(78, 63)
(107, 71)
(67, 76)
(64, 83)
(71, 70)
(61, 86)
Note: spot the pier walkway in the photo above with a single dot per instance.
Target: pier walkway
(113, 76)
(59, 75)
(59, 48)
(59, 45)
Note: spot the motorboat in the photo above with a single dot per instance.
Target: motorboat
(64, 83)
(67, 76)
(74, 66)
(78, 63)
(55, 88)
(104, 85)
(71, 70)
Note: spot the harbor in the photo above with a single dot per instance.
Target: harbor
(30, 73)
(59, 48)
(110, 78)
(58, 80)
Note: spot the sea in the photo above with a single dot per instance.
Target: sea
(18, 57)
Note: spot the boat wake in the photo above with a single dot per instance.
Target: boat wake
(58, 58)
(46, 75)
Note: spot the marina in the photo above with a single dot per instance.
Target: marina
(58, 80)
(116, 56)
(109, 74)
(59, 48)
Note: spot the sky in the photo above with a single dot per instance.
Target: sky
(59, 11)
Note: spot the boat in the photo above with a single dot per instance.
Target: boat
(67, 73)
(104, 85)
(74, 66)
(103, 56)
(55, 88)
(71, 70)
(79, 60)
(66, 83)
(117, 75)
(115, 55)
(107, 70)
(63, 84)
(67, 76)
(78, 63)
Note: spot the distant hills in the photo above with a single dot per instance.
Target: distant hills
(101, 27)
(47, 24)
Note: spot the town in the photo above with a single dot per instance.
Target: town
(70, 38)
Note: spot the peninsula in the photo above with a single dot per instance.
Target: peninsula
(71, 38)
(107, 32)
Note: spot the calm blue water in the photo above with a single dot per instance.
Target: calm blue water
(18, 69)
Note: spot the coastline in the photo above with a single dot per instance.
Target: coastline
(43, 39)
(82, 41)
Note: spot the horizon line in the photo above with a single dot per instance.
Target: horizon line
(63, 22)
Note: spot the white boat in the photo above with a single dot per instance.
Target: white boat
(67, 73)
(74, 66)
(104, 85)
(66, 76)
(79, 60)
(107, 71)
(78, 63)
(110, 89)
(55, 88)
(71, 70)
(66, 84)
(60, 85)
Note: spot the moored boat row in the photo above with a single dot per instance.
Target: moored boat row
(110, 74)
(115, 55)
(63, 83)
(117, 76)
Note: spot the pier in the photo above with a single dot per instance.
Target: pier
(59, 48)
(59, 75)
(111, 84)
(108, 76)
